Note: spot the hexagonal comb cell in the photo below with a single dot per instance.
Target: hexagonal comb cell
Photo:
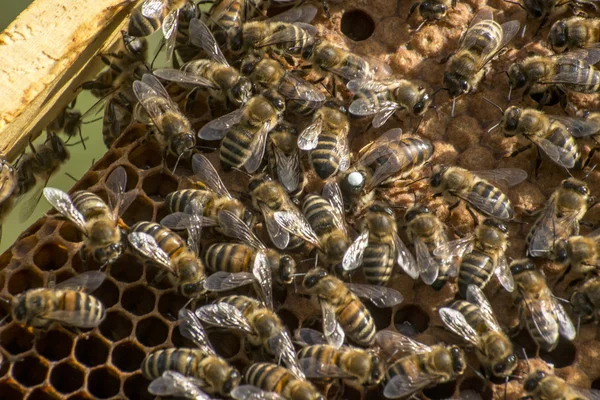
(39, 394)
(127, 356)
(10, 391)
(103, 383)
(132, 176)
(66, 377)
(108, 293)
(414, 316)
(24, 279)
(169, 305)
(226, 344)
(116, 326)
(16, 339)
(140, 210)
(138, 300)
(51, 256)
(158, 185)
(69, 232)
(357, 25)
(91, 351)
(145, 157)
(441, 391)
(127, 269)
(54, 345)
(24, 246)
(151, 332)
(136, 386)
(30, 371)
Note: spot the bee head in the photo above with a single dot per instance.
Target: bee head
(534, 8)
(58, 146)
(236, 42)
(505, 367)
(109, 254)
(415, 211)
(511, 120)
(576, 185)
(533, 380)
(459, 363)
(193, 289)
(232, 381)
(136, 46)
(581, 305)
(519, 266)
(19, 308)
(287, 268)
(560, 251)
(516, 76)
(241, 91)
(432, 10)
(257, 180)
(557, 38)
(183, 144)
(249, 64)
(376, 370)
(421, 106)
(456, 85)
(436, 176)
(313, 277)
(495, 224)
(276, 100)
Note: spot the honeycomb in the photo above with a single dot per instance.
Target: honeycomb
(104, 362)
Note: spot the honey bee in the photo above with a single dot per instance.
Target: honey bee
(245, 131)
(271, 381)
(212, 200)
(99, 222)
(225, 19)
(320, 360)
(546, 78)
(176, 134)
(581, 253)
(420, 367)
(473, 187)
(343, 312)
(213, 73)
(539, 310)
(181, 45)
(324, 227)
(539, 385)
(431, 10)
(160, 245)
(327, 139)
(555, 135)
(69, 122)
(384, 97)
(428, 234)
(573, 33)
(67, 303)
(8, 180)
(118, 114)
(384, 248)
(387, 159)
(474, 321)
(244, 257)
(214, 375)
(586, 300)
(559, 218)
(261, 326)
(172, 383)
(482, 254)
(284, 159)
(478, 46)
(269, 197)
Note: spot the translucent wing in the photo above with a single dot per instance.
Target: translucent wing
(331, 328)
(387, 109)
(381, 296)
(201, 36)
(476, 296)
(543, 319)
(293, 87)
(184, 77)
(362, 107)
(590, 394)
(565, 325)
(456, 248)
(405, 259)
(222, 281)
(308, 337)
(486, 205)
(218, 127)
(277, 232)
(63, 204)
(284, 36)
(457, 323)
(288, 169)
(343, 150)
(172, 383)
(86, 282)
(191, 328)
(394, 343)
(147, 246)
(234, 227)
(117, 184)
(262, 275)
(224, 315)
(72, 317)
(206, 173)
(249, 392)
(503, 274)
(169, 28)
(314, 368)
(380, 147)
(550, 229)
(370, 85)
(296, 224)
(181, 220)
(304, 13)
(349, 73)
(333, 194)
(429, 267)
(506, 176)
(556, 153)
(353, 257)
(309, 137)
(579, 127)
(258, 145)
(404, 385)
(153, 8)
(147, 96)
(281, 346)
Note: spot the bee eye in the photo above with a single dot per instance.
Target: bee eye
(498, 368)
(418, 108)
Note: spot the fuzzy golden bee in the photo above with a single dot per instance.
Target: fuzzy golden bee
(539, 385)
(573, 33)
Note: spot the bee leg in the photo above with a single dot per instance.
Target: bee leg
(326, 9)
(453, 206)
(589, 157)
(520, 150)
(473, 216)
(84, 261)
(413, 8)
(159, 277)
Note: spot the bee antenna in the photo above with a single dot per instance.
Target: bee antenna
(177, 162)
(437, 91)
(242, 171)
(526, 360)
(207, 148)
(493, 127)
(417, 180)
(569, 172)
(494, 104)
(515, 3)
(77, 142)
(476, 372)
(453, 105)
(509, 91)
(590, 171)
(71, 176)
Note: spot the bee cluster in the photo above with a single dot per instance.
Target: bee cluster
(281, 217)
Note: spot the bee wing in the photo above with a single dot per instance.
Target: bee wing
(191, 328)
(172, 383)
(206, 173)
(249, 392)
(222, 281)
(258, 145)
(296, 224)
(578, 127)
(405, 259)
(543, 318)
(314, 368)
(309, 137)
(362, 107)
(281, 346)
(262, 275)
(146, 95)
(169, 29)
(63, 204)
(548, 230)
(224, 315)
(353, 257)
(503, 274)
(565, 325)
(343, 150)
(201, 36)
(475, 295)
(304, 13)
(288, 169)
(71, 317)
(556, 153)
(455, 248)
(457, 323)
(333, 194)
(590, 394)
(218, 127)
(180, 220)
(308, 337)
(153, 8)
(404, 385)
(386, 110)
(184, 77)
(349, 73)
(394, 343)
(506, 176)
(429, 268)
(147, 246)
(356, 85)
(381, 296)
(234, 227)
(32, 199)
(86, 282)
(295, 88)
(280, 236)
(485, 205)
(333, 331)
